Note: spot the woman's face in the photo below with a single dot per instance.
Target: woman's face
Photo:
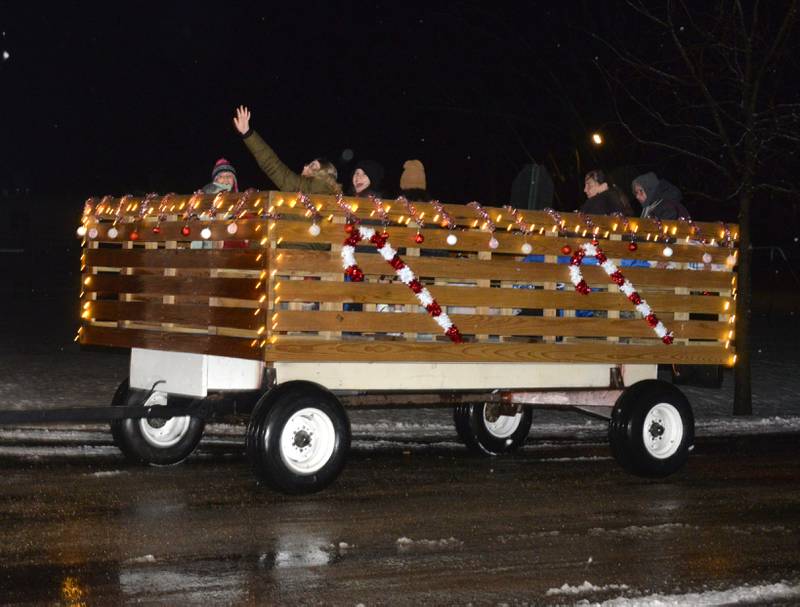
(640, 194)
(360, 181)
(311, 169)
(225, 178)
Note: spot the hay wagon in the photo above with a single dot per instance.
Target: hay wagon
(291, 309)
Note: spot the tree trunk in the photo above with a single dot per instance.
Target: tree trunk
(742, 388)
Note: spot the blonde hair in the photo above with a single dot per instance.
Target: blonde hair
(328, 174)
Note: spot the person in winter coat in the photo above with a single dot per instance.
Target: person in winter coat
(658, 197)
(366, 180)
(413, 185)
(223, 178)
(602, 197)
(318, 176)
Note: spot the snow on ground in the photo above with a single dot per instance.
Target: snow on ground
(748, 594)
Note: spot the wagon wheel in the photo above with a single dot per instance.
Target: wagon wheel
(154, 441)
(298, 442)
(651, 430)
(483, 430)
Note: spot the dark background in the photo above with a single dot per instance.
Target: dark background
(134, 98)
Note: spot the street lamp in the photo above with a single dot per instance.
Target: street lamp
(597, 138)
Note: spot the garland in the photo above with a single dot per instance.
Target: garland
(404, 273)
(624, 284)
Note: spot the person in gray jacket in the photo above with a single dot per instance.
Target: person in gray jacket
(658, 197)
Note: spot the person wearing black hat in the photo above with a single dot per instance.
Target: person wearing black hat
(367, 178)
(658, 197)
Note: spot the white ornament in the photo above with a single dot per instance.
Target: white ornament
(232, 228)
(92, 233)
(667, 252)
(527, 248)
(113, 233)
(731, 260)
(452, 239)
(81, 231)
(493, 244)
(314, 229)
(706, 257)
(205, 233)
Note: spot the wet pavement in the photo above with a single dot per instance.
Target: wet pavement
(424, 523)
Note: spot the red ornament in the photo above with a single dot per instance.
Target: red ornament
(348, 227)
(601, 258)
(397, 263)
(651, 319)
(566, 249)
(635, 298)
(379, 240)
(156, 229)
(595, 242)
(667, 339)
(415, 286)
(434, 309)
(632, 246)
(454, 334)
(134, 235)
(355, 274)
(582, 288)
(185, 230)
(419, 238)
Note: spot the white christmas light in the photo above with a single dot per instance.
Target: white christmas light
(527, 248)
(452, 239)
(205, 233)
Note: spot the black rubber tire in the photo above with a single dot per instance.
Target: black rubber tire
(626, 429)
(267, 422)
(129, 437)
(472, 430)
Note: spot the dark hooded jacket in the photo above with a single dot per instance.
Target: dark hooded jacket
(663, 199)
(605, 203)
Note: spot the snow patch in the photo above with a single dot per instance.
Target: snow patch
(584, 588)
(762, 595)
(147, 558)
(105, 473)
(406, 544)
(637, 530)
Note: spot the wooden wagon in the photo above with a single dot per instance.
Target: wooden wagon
(293, 308)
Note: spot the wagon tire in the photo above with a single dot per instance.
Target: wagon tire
(651, 430)
(298, 442)
(486, 433)
(154, 441)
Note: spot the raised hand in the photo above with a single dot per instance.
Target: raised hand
(242, 119)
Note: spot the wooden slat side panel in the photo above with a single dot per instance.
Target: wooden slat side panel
(176, 258)
(186, 314)
(509, 269)
(291, 349)
(470, 324)
(509, 243)
(238, 288)
(323, 291)
(175, 342)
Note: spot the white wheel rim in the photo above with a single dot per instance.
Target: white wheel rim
(504, 426)
(663, 431)
(307, 441)
(163, 433)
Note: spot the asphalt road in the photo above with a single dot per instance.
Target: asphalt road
(558, 523)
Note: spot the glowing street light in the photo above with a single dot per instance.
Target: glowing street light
(597, 139)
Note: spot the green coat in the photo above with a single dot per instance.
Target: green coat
(280, 174)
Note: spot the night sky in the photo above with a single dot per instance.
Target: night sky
(99, 99)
